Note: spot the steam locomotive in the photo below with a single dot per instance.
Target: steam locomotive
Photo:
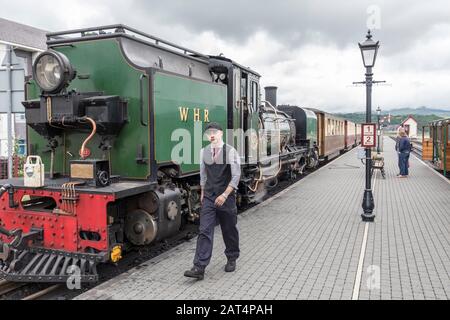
(116, 115)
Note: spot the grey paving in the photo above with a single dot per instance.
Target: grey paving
(305, 243)
(410, 242)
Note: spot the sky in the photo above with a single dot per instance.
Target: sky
(308, 48)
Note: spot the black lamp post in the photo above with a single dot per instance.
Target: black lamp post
(378, 129)
(369, 50)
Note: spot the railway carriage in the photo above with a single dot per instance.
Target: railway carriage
(436, 144)
(330, 134)
(350, 134)
(358, 134)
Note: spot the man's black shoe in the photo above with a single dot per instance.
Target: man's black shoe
(230, 266)
(196, 273)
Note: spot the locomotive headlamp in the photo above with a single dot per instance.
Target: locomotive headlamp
(222, 76)
(52, 71)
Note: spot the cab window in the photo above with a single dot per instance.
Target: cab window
(254, 97)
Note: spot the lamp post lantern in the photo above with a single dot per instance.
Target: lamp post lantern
(369, 50)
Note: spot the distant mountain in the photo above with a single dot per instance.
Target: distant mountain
(423, 111)
(396, 119)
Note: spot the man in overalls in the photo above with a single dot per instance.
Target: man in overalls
(220, 171)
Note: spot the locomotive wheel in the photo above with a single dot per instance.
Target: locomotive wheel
(313, 160)
(140, 227)
(149, 202)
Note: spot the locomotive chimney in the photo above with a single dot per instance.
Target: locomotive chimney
(271, 95)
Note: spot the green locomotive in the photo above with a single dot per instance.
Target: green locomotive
(117, 117)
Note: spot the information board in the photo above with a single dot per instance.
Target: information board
(369, 135)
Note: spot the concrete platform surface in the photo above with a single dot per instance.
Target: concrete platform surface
(309, 242)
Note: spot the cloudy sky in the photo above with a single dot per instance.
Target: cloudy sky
(307, 48)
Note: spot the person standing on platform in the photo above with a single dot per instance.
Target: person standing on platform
(397, 140)
(404, 150)
(220, 172)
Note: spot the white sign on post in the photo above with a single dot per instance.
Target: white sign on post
(368, 135)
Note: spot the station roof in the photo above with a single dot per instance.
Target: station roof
(22, 35)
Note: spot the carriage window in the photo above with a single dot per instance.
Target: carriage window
(254, 97)
(243, 87)
(237, 84)
(426, 132)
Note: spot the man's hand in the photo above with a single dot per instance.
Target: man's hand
(202, 195)
(220, 201)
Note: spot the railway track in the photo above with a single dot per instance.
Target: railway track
(417, 150)
(7, 287)
(417, 147)
(42, 293)
(24, 291)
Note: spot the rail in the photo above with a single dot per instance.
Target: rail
(416, 147)
(7, 286)
(114, 30)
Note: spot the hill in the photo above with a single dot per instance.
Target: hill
(423, 111)
(422, 120)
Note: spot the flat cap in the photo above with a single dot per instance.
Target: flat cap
(213, 125)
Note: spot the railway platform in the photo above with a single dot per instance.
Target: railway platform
(309, 242)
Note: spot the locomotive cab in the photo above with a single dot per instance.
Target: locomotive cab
(243, 94)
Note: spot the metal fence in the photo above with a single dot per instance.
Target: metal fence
(3, 168)
(18, 163)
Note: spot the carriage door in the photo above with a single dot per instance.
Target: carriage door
(240, 105)
(236, 136)
(427, 144)
(253, 122)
